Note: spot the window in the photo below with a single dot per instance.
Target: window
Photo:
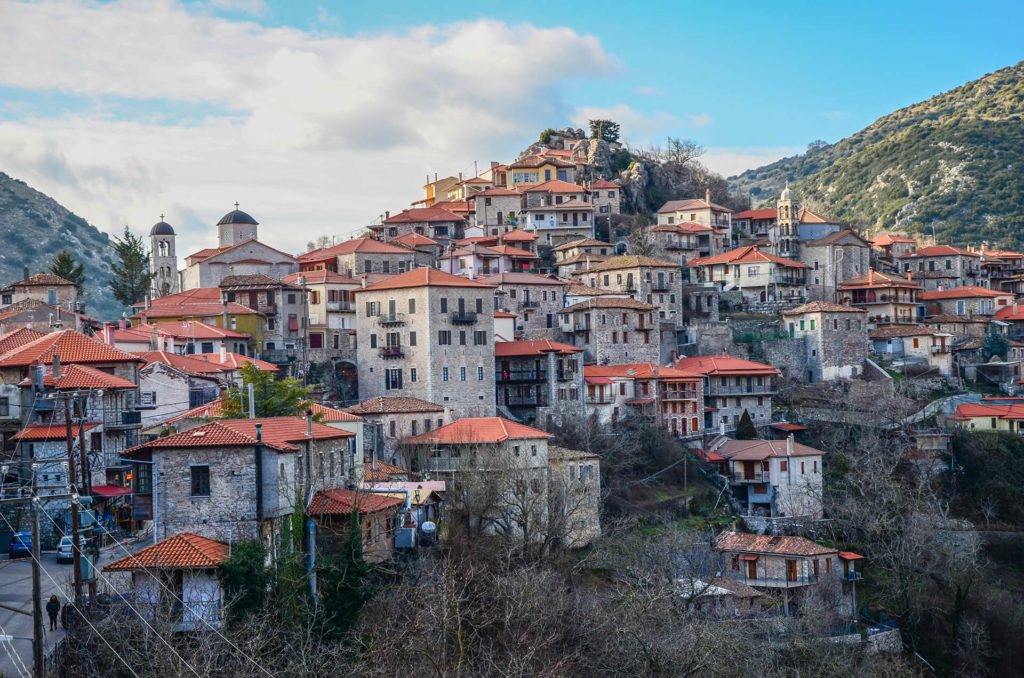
(462, 338)
(812, 325)
(480, 338)
(444, 374)
(316, 340)
(412, 306)
(479, 374)
(462, 374)
(916, 340)
(444, 337)
(373, 341)
(444, 304)
(392, 428)
(5, 407)
(393, 379)
(412, 338)
(480, 305)
(803, 468)
(412, 374)
(144, 479)
(200, 481)
(783, 465)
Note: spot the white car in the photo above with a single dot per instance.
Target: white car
(65, 553)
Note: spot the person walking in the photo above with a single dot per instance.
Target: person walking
(53, 609)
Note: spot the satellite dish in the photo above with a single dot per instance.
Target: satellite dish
(428, 527)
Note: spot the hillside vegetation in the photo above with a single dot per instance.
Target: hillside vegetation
(954, 163)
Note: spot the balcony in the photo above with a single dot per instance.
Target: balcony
(941, 349)
(679, 394)
(757, 476)
(732, 389)
(581, 327)
(279, 356)
(392, 352)
(121, 418)
(530, 304)
(779, 582)
(391, 319)
(659, 287)
(788, 280)
(340, 307)
(600, 399)
(463, 318)
(520, 376)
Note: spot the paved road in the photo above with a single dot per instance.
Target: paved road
(16, 591)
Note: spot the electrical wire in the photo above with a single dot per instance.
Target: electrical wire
(16, 660)
(81, 614)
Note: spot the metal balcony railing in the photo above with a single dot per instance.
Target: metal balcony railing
(600, 399)
(530, 304)
(512, 376)
(391, 319)
(340, 306)
(391, 352)
(463, 318)
(757, 476)
(732, 389)
(122, 418)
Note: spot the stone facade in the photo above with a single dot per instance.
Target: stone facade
(43, 287)
(493, 208)
(208, 268)
(536, 301)
(833, 260)
(574, 489)
(835, 340)
(429, 342)
(642, 278)
(954, 267)
(614, 331)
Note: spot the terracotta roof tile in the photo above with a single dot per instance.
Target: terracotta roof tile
(279, 433)
(385, 472)
(640, 371)
(343, 501)
(750, 254)
(477, 430)
(627, 261)
(42, 279)
(361, 245)
(82, 376)
(878, 279)
(582, 242)
(415, 240)
(71, 345)
(722, 365)
(234, 361)
(938, 251)
(965, 292)
(184, 551)
(895, 331)
(422, 277)
(608, 302)
(517, 235)
(691, 204)
(555, 186)
(508, 349)
(319, 277)
(757, 215)
(522, 279)
(41, 432)
(887, 239)
(423, 215)
(765, 543)
(181, 362)
(192, 329)
(17, 338)
(754, 450)
(393, 405)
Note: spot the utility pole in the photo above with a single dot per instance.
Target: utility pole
(76, 550)
(86, 489)
(305, 329)
(37, 596)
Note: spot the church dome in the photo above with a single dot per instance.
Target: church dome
(237, 216)
(161, 228)
(786, 193)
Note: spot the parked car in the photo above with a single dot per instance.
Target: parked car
(21, 544)
(65, 553)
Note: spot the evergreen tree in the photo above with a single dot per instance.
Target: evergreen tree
(343, 581)
(64, 265)
(605, 130)
(131, 275)
(284, 398)
(244, 577)
(745, 429)
(995, 346)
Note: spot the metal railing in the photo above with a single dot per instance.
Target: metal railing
(512, 376)
(530, 304)
(389, 319)
(463, 317)
(758, 476)
(337, 306)
(122, 418)
(391, 352)
(659, 287)
(753, 389)
(600, 399)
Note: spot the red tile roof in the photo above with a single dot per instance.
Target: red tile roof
(415, 240)
(422, 277)
(965, 292)
(522, 279)
(823, 307)
(691, 204)
(279, 433)
(875, 278)
(887, 239)
(757, 215)
(343, 501)
(181, 362)
(743, 255)
(555, 186)
(938, 251)
(82, 376)
(40, 432)
(723, 365)
(604, 183)
(192, 329)
(639, 371)
(329, 414)
(184, 551)
(582, 242)
(385, 472)
(234, 361)
(627, 261)
(361, 245)
(41, 279)
(517, 235)
(17, 338)
(197, 310)
(970, 410)
(423, 214)
(765, 543)
(532, 161)
(755, 450)
(1012, 312)
(393, 405)
(509, 349)
(72, 347)
(686, 228)
(514, 252)
(210, 410)
(495, 192)
(895, 331)
(477, 430)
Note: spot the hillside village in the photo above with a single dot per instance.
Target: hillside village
(457, 360)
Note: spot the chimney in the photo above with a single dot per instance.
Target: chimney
(387, 214)
(707, 195)
(108, 333)
(154, 342)
(363, 278)
(309, 423)
(721, 427)
(25, 272)
(223, 352)
(871, 276)
(56, 367)
(225, 315)
(789, 445)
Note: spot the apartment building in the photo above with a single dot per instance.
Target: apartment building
(732, 386)
(613, 330)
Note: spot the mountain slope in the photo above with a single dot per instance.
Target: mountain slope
(954, 163)
(34, 227)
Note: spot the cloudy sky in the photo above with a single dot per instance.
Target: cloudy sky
(317, 117)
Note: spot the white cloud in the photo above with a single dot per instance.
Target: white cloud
(254, 7)
(315, 133)
(652, 91)
(731, 161)
(699, 121)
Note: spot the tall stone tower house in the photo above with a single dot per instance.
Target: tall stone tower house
(163, 262)
(235, 227)
(788, 223)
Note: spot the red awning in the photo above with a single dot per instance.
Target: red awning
(293, 324)
(748, 557)
(598, 380)
(847, 555)
(111, 490)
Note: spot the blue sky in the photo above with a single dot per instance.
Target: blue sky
(318, 116)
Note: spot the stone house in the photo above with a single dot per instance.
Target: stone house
(331, 311)
(183, 337)
(963, 327)
(754, 223)
(642, 278)
(475, 260)
(170, 384)
(606, 197)
(503, 471)
(892, 246)
(236, 478)
(536, 375)
(614, 331)
(1003, 269)
(558, 211)
(493, 209)
(733, 385)
(239, 252)
(952, 263)
(672, 397)
(535, 299)
(571, 249)
(380, 515)
(538, 169)
(420, 244)
(832, 260)
(773, 478)
(699, 211)
(759, 275)
(47, 288)
(835, 337)
(793, 567)
(363, 255)
(886, 297)
(284, 308)
(204, 304)
(428, 335)
(968, 300)
(178, 576)
(391, 419)
(35, 315)
(686, 241)
(915, 344)
(437, 223)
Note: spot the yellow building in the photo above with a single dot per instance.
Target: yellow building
(1007, 417)
(538, 169)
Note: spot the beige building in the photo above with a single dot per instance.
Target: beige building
(832, 260)
(363, 255)
(734, 385)
(759, 275)
(642, 278)
(428, 335)
(614, 331)
(331, 310)
(885, 296)
(606, 197)
(391, 419)
(495, 209)
(773, 478)
(45, 287)
(671, 397)
(535, 299)
(697, 211)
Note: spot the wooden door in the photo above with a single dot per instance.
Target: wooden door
(751, 569)
(791, 570)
